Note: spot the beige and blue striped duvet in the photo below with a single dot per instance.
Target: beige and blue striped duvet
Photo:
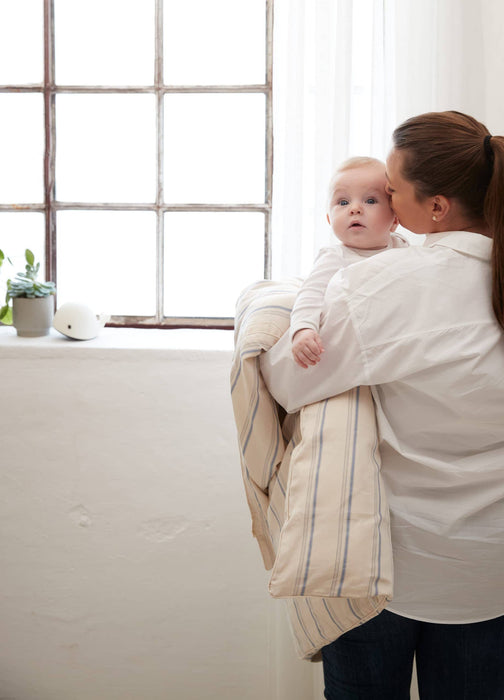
(313, 486)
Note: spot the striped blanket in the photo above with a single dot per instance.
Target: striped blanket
(313, 486)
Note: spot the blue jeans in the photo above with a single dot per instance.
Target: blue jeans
(454, 662)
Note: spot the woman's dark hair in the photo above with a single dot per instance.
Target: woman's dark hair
(446, 153)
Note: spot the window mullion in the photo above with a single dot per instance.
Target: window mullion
(269, 139)
(50, 141)
(158, 82)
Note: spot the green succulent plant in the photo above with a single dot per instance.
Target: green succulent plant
(25, 285)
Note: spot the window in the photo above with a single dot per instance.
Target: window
(137, 152)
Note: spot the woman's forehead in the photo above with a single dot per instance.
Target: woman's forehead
(393, 164)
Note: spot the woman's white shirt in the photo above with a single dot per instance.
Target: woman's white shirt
(417, 325)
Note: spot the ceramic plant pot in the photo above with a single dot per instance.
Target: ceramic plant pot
(33, 317)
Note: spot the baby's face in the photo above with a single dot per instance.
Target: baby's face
(359, 211)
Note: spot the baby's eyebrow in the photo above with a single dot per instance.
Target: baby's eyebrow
(371, 190)
(375, 191)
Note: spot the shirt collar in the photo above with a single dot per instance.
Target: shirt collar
(474, 244)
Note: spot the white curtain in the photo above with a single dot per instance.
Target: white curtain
(346, 72)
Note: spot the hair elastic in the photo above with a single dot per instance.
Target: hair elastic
(488, 149)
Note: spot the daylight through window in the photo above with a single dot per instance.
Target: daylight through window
(137, 152)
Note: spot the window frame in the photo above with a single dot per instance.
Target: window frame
(51, 205)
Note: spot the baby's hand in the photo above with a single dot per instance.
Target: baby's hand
(307, 347)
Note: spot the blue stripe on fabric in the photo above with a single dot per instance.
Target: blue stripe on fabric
(293, 628)
(380, 518)
(331, 615)
(282, 488)
(268, 293)
(314, 501)
(353, 611)
(259, 507)
(301, 622)
(273, 459)
(350, 495)
(266, 307)
(256, 351)
(253, 351)
(276, 516)
(233, 385)
(254, 413)
(314, 619)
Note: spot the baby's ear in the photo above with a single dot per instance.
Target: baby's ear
(328, 219)
(395, 224)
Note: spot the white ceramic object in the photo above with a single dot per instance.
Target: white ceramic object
(77, 321)
(32, 317)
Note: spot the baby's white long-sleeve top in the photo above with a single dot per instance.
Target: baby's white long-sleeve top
(308, 304)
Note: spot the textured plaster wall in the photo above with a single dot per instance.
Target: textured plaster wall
(128, 568)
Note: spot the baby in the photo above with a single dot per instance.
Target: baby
(360, 216)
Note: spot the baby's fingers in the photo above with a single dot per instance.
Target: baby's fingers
(314, 347)
(299, 361)
(307, 355)
(316, 339)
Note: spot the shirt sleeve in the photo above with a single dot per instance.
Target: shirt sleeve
(342, 365)
(309, 301)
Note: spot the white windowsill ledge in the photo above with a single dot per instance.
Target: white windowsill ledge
(194, 341)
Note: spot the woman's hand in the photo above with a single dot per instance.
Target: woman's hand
(307, 347)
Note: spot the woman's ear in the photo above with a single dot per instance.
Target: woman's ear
(440, 207)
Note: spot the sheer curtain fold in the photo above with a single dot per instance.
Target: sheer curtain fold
(330, 93)
(346, 72)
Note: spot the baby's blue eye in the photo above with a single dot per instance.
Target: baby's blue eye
(370, 200)
(343, 202)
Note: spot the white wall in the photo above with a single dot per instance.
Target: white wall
(128, 568)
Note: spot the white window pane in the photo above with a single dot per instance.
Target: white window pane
(209, 43)
(214, 148)
(18, 231)
(106, 148)
(209, 258)
(107, 259)
(21, 148)
(21, 42)
(104, 42)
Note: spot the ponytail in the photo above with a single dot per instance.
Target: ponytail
(453, 154)
(494, 216)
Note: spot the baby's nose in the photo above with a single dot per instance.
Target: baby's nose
(355, 208)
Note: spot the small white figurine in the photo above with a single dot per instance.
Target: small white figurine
(78, 321)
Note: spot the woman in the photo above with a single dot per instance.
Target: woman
(424, 327)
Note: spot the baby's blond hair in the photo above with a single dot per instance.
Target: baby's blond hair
(350, 164)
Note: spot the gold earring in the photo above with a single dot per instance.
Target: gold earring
(434, 218)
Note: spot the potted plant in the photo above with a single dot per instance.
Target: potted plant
(32, 301)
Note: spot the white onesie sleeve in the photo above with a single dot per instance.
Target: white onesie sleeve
(310, 298)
